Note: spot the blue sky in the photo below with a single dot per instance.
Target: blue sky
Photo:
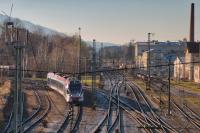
(116, 21)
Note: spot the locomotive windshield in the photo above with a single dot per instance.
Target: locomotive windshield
(74, 87)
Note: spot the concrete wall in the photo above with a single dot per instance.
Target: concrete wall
(196, 73)
(179, 69)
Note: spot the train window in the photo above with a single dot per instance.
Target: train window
(56, 84)
(74, 87)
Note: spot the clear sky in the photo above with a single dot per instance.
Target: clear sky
(116, 21)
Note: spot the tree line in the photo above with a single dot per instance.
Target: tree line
(55, 53)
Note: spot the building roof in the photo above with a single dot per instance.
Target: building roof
(159, 43)
(193, 47)
(172, 57)
(181, 58)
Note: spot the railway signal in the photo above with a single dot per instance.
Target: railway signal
(10, 40)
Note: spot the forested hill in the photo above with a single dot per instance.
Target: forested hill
(46, 49)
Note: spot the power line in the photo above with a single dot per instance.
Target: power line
(106, 70)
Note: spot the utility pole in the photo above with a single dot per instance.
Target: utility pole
(79, 69)
(18, 45)
(100, 64)
(85, 69)
(94, 70)
(169, 84)
(199, 62)
(118, 50)
(85, 60)
(148, 84)
(101, 61)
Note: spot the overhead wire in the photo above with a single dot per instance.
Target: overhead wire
(106, 70)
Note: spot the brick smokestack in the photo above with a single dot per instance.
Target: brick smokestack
(192, 23)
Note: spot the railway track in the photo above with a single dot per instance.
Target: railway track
(75, 127)
(42, 109)
(121, 106)
(114, 100)
(42, 112)
(141, 97)
(68, 117)
(154, 121)
(8, 126)
(117, 121)
(108, 118)
(9, 122)
(190, 115)
(143, 111)
(44, 106)
(63, 126)
(135, 115)
(193, 113)
(187, 116)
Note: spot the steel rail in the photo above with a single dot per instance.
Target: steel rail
(193, 113)
(40, 118)
(118, 108)
(78, 119)
(134, 116)
(164, 124)
(103, 121)
(193, 121)
(141, 109)
(146, 101)
(9, 122)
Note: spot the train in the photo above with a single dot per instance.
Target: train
(69, 87)
(145, 76)
(142, 76)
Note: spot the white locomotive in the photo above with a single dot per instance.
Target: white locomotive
(70, 88)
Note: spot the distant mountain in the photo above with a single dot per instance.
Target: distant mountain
(29, 26)
(105, 44)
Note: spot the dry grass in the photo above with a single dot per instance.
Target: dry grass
(4, 92)
(5, 88)
(191, 86)
(87, 80)
(140, 83)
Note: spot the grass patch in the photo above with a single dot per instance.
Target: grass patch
(192, 100)
(87, 80)
(187, 85)
(141, 83)
(36, 79)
